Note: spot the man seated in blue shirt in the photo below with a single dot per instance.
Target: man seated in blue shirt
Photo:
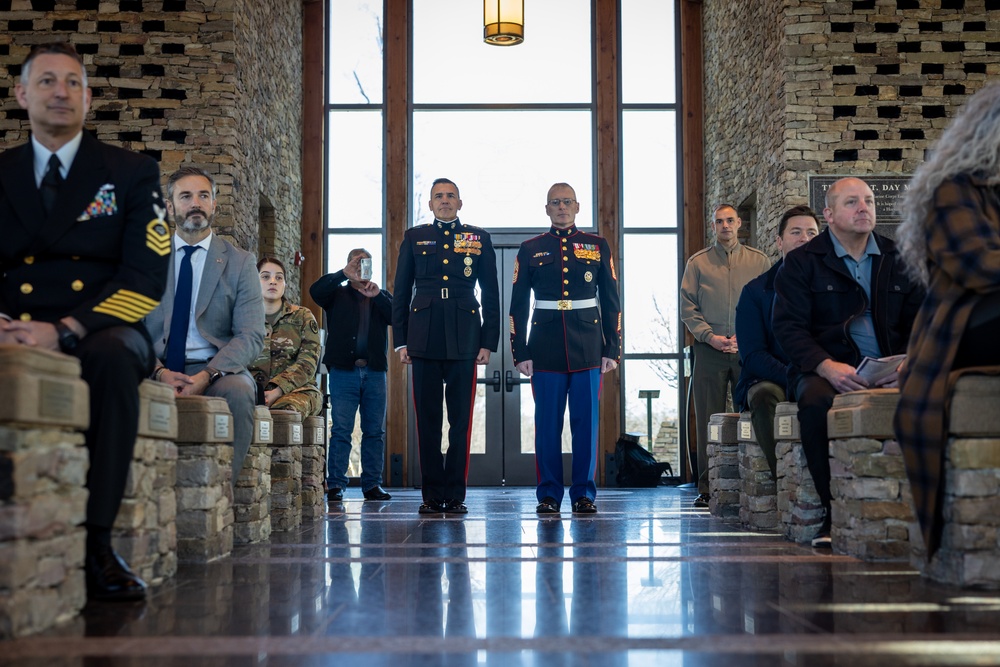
(764, 367)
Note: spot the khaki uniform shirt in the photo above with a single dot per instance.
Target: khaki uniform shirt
(711, 286)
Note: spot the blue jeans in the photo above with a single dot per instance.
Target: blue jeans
(351, 390)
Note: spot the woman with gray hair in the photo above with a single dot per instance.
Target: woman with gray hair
(950, 238)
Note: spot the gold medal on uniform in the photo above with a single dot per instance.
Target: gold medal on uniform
(468, 272)
(588, 276)
(468, 261)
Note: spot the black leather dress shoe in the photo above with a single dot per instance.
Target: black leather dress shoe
(108, 577)
(431, 507)
(455, 507)
(335, 495)
(547, 506)
(584, 505)
(377, 493)
(701, 501)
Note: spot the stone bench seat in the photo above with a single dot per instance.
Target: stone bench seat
(872, 508)
(723, 466)
(145, 530)
(204, 479)
(286, 470)
(799, 509)
(758, 491)
(969, 555)
(44, 409)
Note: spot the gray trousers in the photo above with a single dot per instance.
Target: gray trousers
(763, 399)
(712, 380)
(240, 392)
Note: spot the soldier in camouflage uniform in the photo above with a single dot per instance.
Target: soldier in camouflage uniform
(286, 368)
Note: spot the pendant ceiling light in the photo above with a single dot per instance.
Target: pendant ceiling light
(503, 22)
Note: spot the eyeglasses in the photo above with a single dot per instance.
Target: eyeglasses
(554, 203)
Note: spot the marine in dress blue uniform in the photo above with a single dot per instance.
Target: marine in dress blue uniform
(575, 338)
(445, 331)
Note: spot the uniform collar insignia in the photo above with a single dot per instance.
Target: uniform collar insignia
(564, 232)
(451, 224)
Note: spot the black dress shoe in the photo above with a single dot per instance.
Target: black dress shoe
(701, 500)
(108, 577)
(455, 507)
(335, 495)
(377, 493)
(547, 506)
(584, 505)
(431, 507)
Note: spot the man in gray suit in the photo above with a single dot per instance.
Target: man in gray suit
(210, 324)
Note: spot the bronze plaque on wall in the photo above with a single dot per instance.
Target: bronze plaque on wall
(888, 191)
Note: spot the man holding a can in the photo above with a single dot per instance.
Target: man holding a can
(357, 317)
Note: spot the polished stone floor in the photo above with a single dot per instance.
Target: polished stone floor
(647, 581)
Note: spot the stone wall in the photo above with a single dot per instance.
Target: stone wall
(215, 83)
(800, 87)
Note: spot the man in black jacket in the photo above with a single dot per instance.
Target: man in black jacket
(841, 297)
(357, 317)
(84, 257)
(763, 365)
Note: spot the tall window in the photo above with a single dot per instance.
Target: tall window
(651, 245)
(503, 123)
(354, 134)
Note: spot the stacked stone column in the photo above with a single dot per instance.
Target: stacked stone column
(252, 491)
(44, 406)
(204, 479)
(286, 471)
(313, 467)
(969, 554)
(723, 466)
(758, 499)
(145, 532)
(872, 508)
(799, 507)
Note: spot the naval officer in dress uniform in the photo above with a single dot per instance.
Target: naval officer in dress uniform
(84, 257)
(444, 332)
(575, 338)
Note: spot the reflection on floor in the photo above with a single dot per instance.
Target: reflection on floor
(647, 581)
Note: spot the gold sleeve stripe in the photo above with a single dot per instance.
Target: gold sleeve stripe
(512, 330)
(517, 265)
(611, 261)
(126, 305)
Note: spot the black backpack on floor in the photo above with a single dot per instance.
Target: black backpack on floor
(636, 466)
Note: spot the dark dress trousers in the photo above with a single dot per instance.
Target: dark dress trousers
(568, 270)
(101, 257)
(436, 315)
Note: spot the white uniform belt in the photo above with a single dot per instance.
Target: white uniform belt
(565, 304)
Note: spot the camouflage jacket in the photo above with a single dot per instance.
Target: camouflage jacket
(291, 351)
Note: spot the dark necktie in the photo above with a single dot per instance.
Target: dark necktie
(177, 341)
(50, 184)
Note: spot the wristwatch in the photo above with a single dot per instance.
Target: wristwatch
(68, 340)
(213, 374)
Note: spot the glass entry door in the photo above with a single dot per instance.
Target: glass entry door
(503, 426)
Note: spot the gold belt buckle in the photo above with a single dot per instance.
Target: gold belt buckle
(564, 304)
(444, 292)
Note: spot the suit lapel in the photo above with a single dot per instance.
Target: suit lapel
(22, 192)
(215, 263)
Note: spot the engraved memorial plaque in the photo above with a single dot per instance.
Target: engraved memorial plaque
(264, 431)
(296, 432)
(784, 426)
(222, 426)
(713, 432)
(55, 400)
(746, 430)
(159, 417)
